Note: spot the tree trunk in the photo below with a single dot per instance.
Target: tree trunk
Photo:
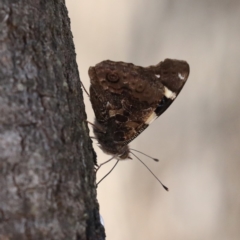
(47, 176)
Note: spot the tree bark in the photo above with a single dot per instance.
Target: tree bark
(47, 176)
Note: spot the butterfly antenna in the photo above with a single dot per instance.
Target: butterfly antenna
(109, 171)
(150, 171)
(155, 159)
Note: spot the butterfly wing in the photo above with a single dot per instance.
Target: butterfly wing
(127, 98)
(173, 74)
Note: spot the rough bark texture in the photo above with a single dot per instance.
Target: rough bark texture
(47, 177)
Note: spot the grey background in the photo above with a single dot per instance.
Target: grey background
(197, 139)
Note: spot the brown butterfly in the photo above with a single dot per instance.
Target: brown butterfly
(127, 98)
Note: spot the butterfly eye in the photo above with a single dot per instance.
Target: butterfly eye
(112, 77)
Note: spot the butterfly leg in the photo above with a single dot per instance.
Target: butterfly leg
(104, 163)
(85, 89)
(108, 172)
(96, 126)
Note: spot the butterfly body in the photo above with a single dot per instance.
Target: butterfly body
(127, 98)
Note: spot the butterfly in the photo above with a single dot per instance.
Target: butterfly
(127, 98)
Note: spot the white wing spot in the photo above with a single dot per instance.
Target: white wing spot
(151, 118)
(157, 75)
(181, 76)
(169, 94)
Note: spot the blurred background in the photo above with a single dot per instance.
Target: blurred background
(197, 139)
